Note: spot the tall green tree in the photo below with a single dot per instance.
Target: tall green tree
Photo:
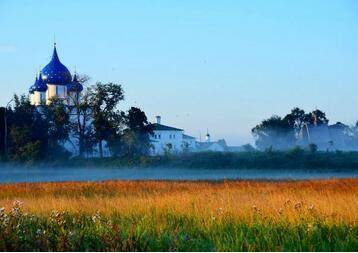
(28, 131)
(81, 128)
(57, 118)
(135, 138)
(273, 132)
(104, 100)
(282, 133)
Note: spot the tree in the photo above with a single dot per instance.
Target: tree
(295, 118)
(81, 123)
(312, 148)
(57, 118)
(104, 99)
(275, 132)
(283, 133)
(28, 131)
(135, 136)
(316, 117)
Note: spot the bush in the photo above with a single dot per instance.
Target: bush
(297, 150)
(312, 148)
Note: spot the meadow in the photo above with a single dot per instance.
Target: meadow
(316, 215)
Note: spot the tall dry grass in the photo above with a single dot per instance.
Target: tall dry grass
(334, 201)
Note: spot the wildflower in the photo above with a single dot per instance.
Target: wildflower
(309, 227)
(54, 214)
(2, 212)
(16, 208)
(287, 202)
(96, 216)
(220, 211)
(5, 219)
(310, 207)
(280, 211)
(17, 203)
(38, 231)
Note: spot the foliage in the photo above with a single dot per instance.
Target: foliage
(104, 99)
(28, 134)
(312, 148)
(86, 122)
(275, 132)
(57, 118)
(300, 128)
(81, 124)
(135, 138)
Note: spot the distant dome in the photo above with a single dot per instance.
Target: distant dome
(55, 72)
(75, 85)
(32, 87)
(40, 85)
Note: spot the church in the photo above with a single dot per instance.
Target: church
(55, 80)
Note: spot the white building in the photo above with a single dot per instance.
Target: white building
(165, 138)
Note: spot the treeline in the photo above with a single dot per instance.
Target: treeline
(295, 158)
(90, 123)
(306, 130)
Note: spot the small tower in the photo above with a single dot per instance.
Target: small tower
(32, 90)
(40, 88)
(74, 91)
(207, 136)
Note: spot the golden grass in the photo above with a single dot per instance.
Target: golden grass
(331, 200)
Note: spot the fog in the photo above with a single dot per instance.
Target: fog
(325, 137)
(26, 174)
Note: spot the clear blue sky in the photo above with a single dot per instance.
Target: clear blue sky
(222, 65)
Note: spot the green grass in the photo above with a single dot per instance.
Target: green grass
(167, 232)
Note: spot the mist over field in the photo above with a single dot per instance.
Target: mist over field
(10, 174)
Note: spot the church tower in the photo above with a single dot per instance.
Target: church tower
(57, 77)
(39, 95)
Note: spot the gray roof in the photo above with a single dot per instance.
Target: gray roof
(188, 137)
(160, 127)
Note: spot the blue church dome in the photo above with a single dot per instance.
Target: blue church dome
(40, 85)
(75, 85)
(32, 87)
(55, 72)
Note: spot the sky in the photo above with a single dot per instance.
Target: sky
(218, 65)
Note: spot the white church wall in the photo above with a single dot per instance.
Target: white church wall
(161, 139)
(55, 90)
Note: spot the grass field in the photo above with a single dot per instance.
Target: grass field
(186, 216)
